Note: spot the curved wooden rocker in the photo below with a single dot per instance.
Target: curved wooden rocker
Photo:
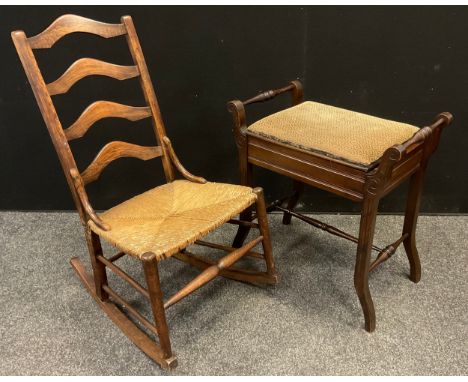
(134, 227)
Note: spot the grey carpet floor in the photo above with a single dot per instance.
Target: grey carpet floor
(310, 323)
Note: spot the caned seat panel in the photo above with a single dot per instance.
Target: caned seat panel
(167, 218)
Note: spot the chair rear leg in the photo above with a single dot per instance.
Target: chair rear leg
(298, 188)
(99, 269)
(363, 256)
(409, 226)
(242, 231)
(265, 232)
(150, 267)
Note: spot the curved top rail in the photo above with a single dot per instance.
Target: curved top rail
(67, 24)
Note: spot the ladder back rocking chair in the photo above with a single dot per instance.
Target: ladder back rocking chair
(152, 226)
(356, 156)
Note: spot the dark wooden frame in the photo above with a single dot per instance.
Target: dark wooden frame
(366, 185)
(97, 284)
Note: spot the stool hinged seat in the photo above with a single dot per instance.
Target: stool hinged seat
(353, 155)
(343, 134)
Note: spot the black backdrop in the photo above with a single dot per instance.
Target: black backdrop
(402, 63)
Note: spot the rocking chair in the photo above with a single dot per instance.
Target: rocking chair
(152, 226)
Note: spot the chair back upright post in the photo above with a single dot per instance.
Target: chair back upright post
(149, 93)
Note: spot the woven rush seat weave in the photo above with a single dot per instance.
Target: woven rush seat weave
(336, 132)
(167, 218)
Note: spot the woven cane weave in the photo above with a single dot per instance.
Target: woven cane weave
(166, 219)
(344, 134)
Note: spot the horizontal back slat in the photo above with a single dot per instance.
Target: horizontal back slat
(104, 109)
(83, 67)
(90, 67)
(67, 24)
(114, 150)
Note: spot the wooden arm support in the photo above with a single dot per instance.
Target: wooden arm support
(175, 160)
(79, 187)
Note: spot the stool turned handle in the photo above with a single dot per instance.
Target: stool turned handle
(445, 117)
(294, 86)
(442, 120)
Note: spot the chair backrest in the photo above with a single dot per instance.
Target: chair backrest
(81, 68)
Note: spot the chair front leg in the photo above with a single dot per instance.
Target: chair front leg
(363, 257)
(265, 232)
(150, 267)
(99, 269)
